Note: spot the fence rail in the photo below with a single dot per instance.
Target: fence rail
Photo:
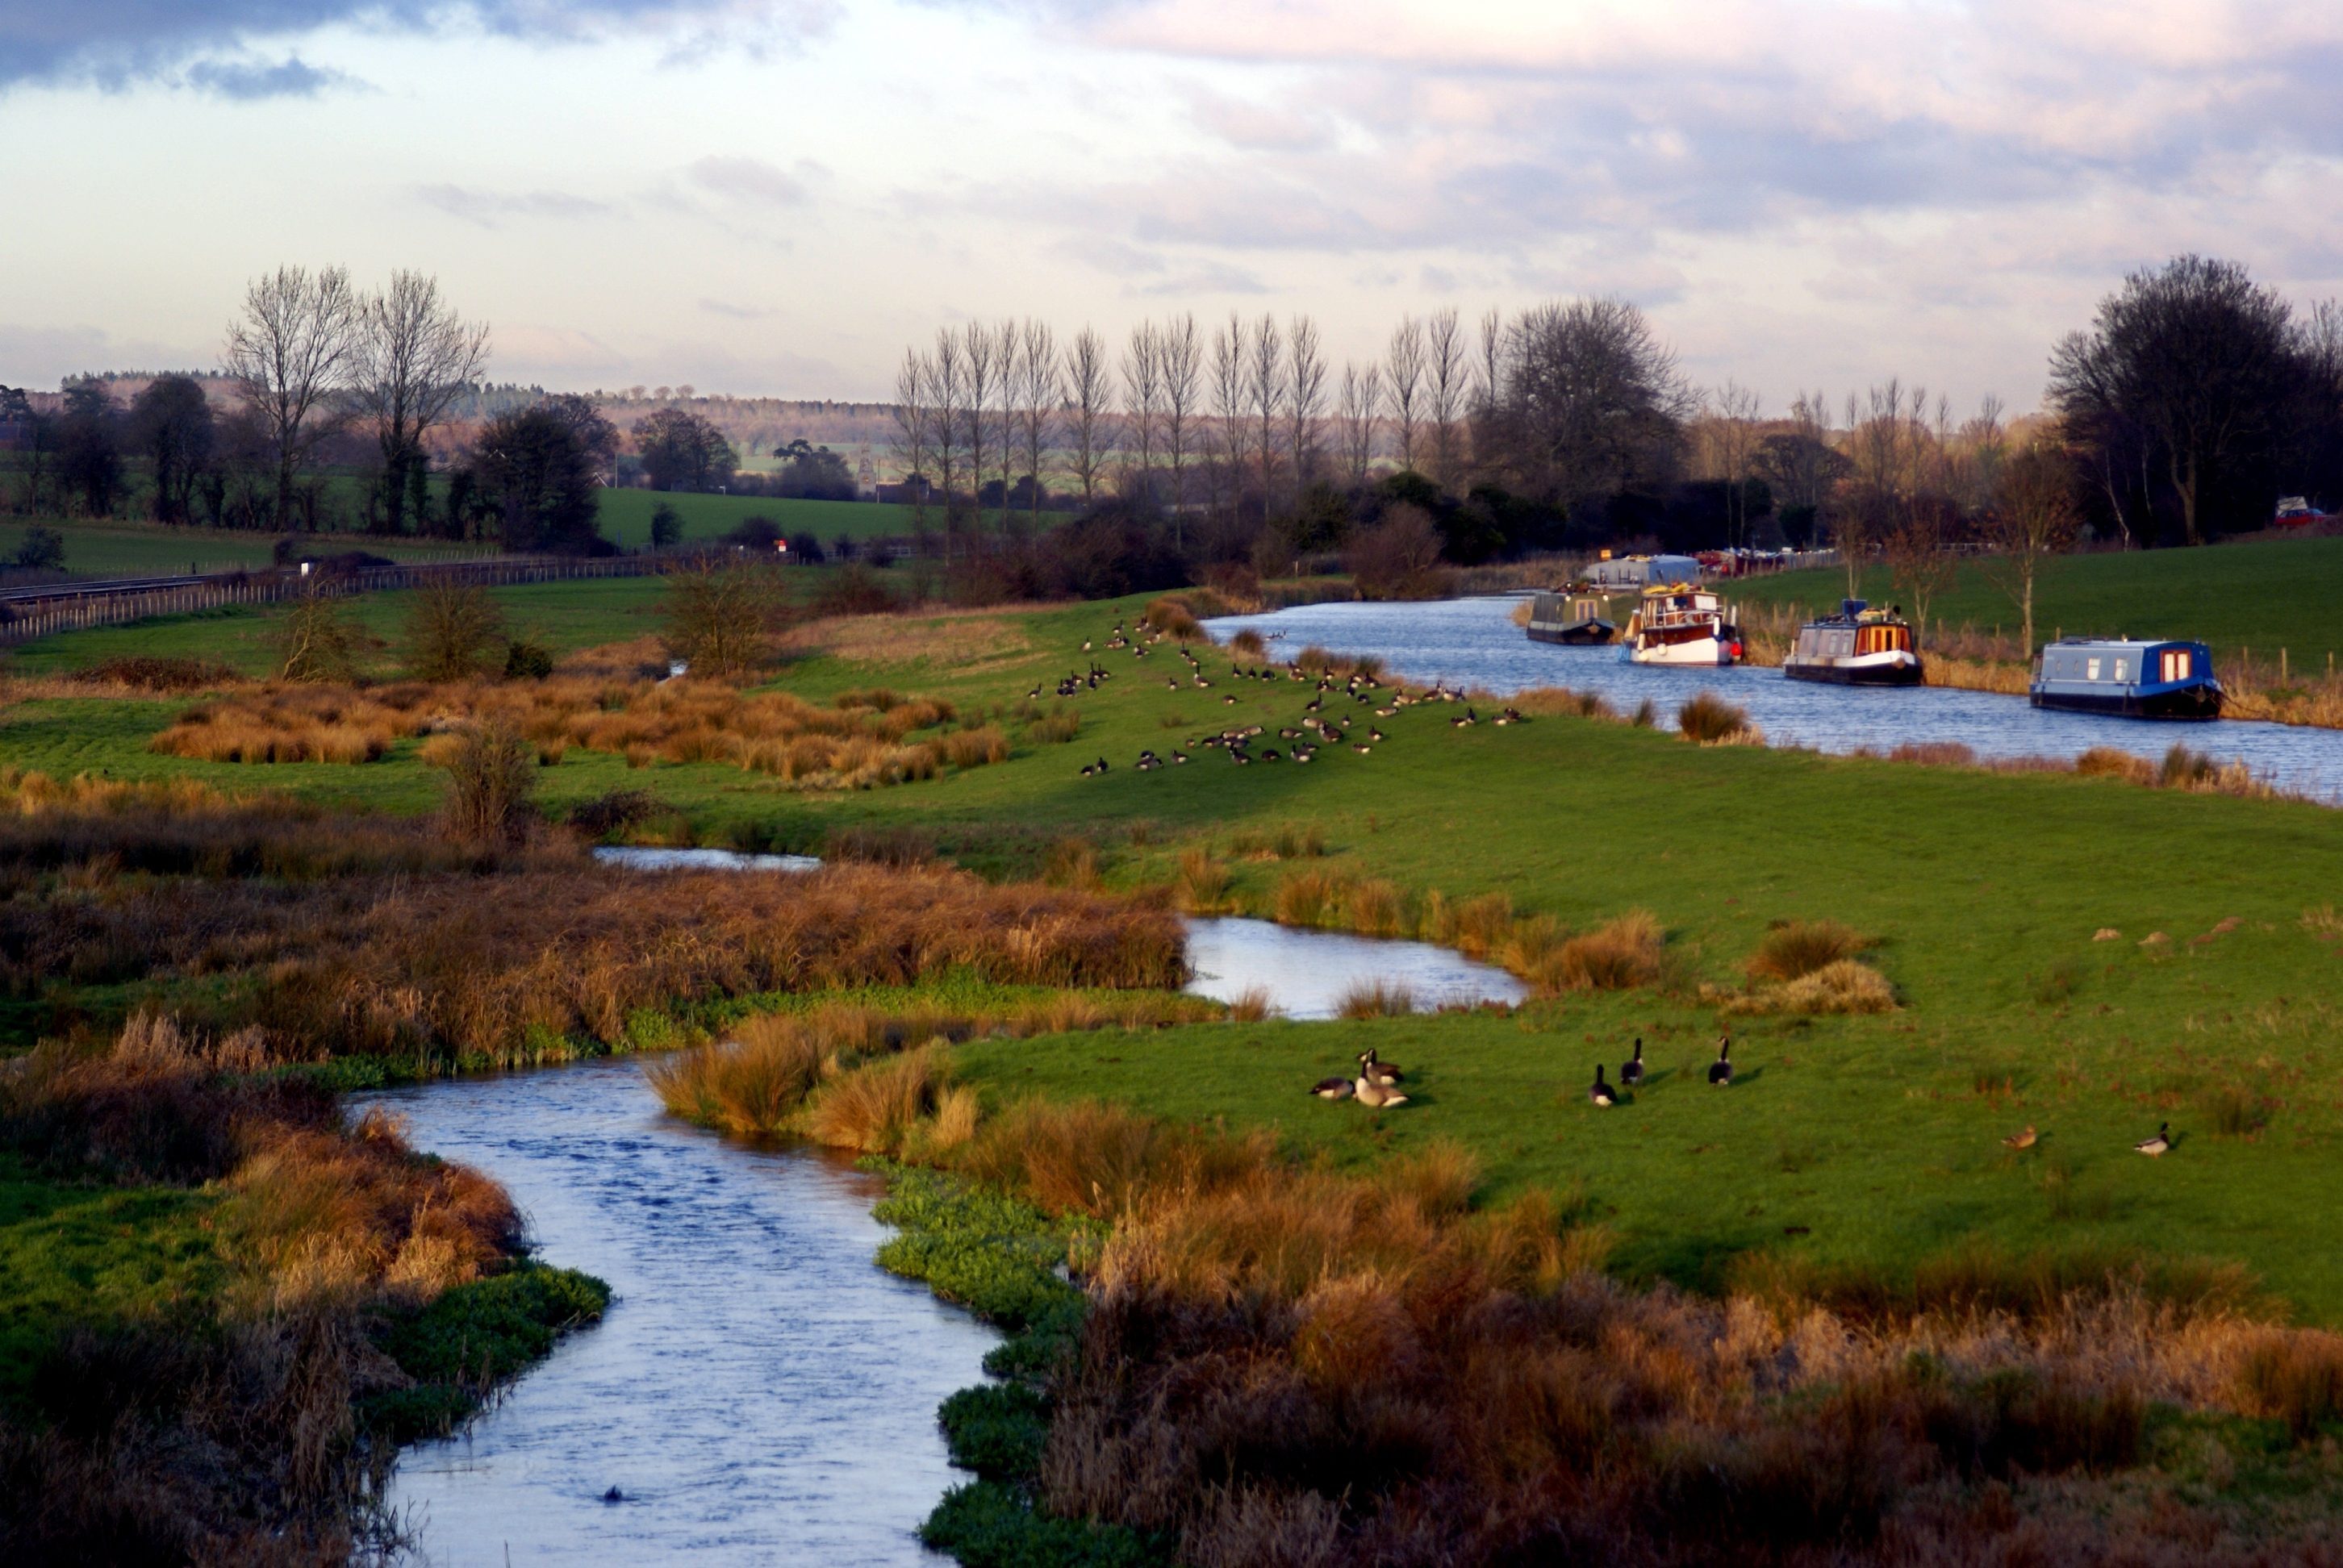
(99, 608)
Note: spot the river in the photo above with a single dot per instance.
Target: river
(759, 1391)
(1473, 642)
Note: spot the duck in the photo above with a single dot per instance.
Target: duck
(2021, 1140)
(1601, 1094)
(1374, 1067)
(2155, 1147)
(1376, 1096)
(1334, 1088)
(1631, 1072)
(1720, 1071)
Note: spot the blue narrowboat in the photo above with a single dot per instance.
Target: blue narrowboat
(2131, 679)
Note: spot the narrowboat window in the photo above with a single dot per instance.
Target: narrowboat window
(2091, 670)
(2121, 668)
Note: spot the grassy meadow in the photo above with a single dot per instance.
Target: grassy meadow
(2262, 595)
(1866, 1141)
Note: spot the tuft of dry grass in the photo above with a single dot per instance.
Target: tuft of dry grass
(1253, 1005)
(1202, 885)
(1843, 986)
(1375, 999)
(490, 783)
(1175, 617)
(1622, 954)
(976, 748)
(1707, 719)
(1249, 642)
(1791, 950)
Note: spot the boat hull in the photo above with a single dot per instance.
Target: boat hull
(1698, 653)
(2195, 703)
(1866, 670)
(1583, 634)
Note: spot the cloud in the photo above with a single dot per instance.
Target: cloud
(492, 209)
(291, 77)
(117, 42)
(726, 308)
(754, 180)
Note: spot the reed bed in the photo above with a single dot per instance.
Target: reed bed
(1285, 1362)
(384, 943)
(224, 1430)
(1375, 999)
(1707, 719)
(864, 739)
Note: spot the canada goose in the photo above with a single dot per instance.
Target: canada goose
(2024, 1139)
(1086, 645)
(1178, 757)
(1314, 704)
(1374, 733)
(1601, 1093)
(1375, 1095)
(1101, 764)
(2156, 1146)
(1088, 770)
(1362, 748)
(1720, 1071)
(1374, 1067)
(1631, 1072)
(1334, 1088)
(1226, 701)
(1270, 754)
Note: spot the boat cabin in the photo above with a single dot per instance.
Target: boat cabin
(2134, 678)
(1857, 646)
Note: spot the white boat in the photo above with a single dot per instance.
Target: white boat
(1857, 646)
(1682, 623)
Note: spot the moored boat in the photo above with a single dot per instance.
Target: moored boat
(1857, 646)
(2127, 678)
(1682, 623)
(1577, 622)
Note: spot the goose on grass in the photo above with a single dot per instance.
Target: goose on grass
(2155, 1147)
(1601, 1094)
(1720, 1071)
(1631, 1072)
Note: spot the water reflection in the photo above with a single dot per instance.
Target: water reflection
(1305, 972)
(759, 1392)
(643, 858)
(1473, 642)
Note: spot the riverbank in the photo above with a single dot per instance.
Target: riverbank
(223, 1309)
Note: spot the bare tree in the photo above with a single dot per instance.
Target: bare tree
(1265, 382)
(289, 354)
(1985, 447)
(1591, 405)
(1489, 377)
(1305, 398)
(2036, 519)
(1088, 394)
(914, 430)
(1359, 405)
(1142, 401)
(1229, 406)
(981, 361)
(1008, 378)
(1183, 355)
(1921, 561)
(1405, 360)
(1446, 376)
(1040, 389)
(948, 393)
(413, 358)
(1733, 440)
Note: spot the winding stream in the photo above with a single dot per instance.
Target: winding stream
(1473, 642)
(759, 1391)
(1305, 972)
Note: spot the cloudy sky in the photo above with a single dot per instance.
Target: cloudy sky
(775, 195)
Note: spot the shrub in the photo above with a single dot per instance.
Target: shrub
(490, 779)
(614, 811)
(1057, 726)
(1707, 719)
(1202, 885)
(976, 748)
(527, 661)
(667, 526)
(1845, 985)
(1250, 643)
(150, 673)
(854, 589)
(1792, 949)
(1174, 618)
(316, 641)
(716, 618)
(42, 549)
(450, 629)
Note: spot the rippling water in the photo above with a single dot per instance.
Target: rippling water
(1473, 642)
(650, 857)
(1305, 972)
(759, 1391)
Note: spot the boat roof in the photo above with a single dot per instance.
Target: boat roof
(2126, 643)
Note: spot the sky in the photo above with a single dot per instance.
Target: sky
(776, 196)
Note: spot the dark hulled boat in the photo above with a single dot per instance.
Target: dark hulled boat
(2130, 679)
(1577, 622)
(1857, 646)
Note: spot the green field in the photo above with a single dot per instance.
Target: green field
(143, 549)
(627, 517)
(1870, 1141)
(2262, 596)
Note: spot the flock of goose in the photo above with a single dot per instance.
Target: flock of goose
(1377, 1083)
(1303, 739)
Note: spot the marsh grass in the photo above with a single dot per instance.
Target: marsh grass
(1374, 999)
(1707, 719)
(1791, 950)
(1202, 885)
